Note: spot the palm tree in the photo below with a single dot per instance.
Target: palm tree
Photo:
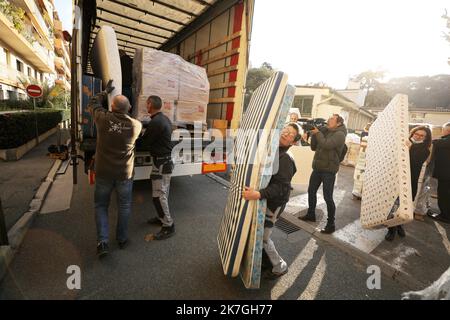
(50, 94)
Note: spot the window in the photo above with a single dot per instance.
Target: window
(41, 76)
(8, 57)
(35, 74)
(19, 65)
(304, 104)
(29, 71)
(12, 95)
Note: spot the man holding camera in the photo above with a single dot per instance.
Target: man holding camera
(328, 143)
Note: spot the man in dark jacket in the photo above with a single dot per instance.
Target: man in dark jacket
(277, 194)
(441, 158)
(157, 140)
(114, 162)
(328, 144)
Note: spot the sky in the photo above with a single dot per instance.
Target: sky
(330, 41)
(64, 9)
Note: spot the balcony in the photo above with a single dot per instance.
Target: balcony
(59, 64)
(36, 18)
(34, 53)
(58, 29)
(61, 49)
(62, 81)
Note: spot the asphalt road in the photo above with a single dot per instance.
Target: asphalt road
(186, 266)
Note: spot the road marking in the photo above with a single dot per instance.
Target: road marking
(443, 233)
(295, 269)
(312, 289)
(363, 239)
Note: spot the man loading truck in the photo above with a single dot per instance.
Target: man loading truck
(114, 161)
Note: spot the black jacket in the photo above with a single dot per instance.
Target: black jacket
(278, 191)
(418, 153)
(157, 136)
(441, 158)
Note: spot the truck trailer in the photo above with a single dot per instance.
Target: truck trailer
(213, 34)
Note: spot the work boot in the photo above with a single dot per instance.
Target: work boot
(390, 235)
(165, 232)
(441, 218)
(123, 244)
(401, 232)
(102, 249)
(308, 217)
(329, 229)
(155, 221)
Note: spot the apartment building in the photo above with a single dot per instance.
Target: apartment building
(31, 46)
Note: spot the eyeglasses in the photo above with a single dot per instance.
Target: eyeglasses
(419, 135)
(288, 132)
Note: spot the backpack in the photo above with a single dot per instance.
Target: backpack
(343, 153)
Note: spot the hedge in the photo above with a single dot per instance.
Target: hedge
(17, 129)
(15, 105)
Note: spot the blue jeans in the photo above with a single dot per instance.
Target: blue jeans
(103, 190)
(316, 179)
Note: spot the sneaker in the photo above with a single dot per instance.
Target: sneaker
(390, 235)
(102, 249)
(308, 217)
(270, 275)
(154, 221)
(123, 244)
(165, 232)
(329, 229)
(401, 232)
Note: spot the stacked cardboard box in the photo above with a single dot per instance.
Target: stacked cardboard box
(182, 86)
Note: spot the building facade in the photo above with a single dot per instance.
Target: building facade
(28, 46)
(322, 102)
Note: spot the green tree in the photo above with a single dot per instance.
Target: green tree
(256, 77)
(377, 94)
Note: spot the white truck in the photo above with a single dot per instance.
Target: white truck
(214, 34)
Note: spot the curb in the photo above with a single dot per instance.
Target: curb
(17, 233)
(387, 269)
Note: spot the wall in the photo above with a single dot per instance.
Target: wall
(438, 118)
(325, 110)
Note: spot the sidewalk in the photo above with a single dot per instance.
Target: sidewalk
(19, 180)
(417, 260)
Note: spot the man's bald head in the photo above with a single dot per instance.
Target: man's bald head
(120, 104)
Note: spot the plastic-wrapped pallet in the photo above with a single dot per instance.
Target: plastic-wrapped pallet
(183, 87)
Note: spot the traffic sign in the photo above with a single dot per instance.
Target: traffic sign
(34, 91)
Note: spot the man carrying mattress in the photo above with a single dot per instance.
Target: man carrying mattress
(277, 194)
(157, 140)
(114, 163)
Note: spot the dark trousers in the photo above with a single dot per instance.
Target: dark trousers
(443, 191)
(316, 179)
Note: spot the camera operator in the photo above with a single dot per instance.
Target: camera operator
(328, 143)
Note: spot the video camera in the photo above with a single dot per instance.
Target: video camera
(310, 124)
